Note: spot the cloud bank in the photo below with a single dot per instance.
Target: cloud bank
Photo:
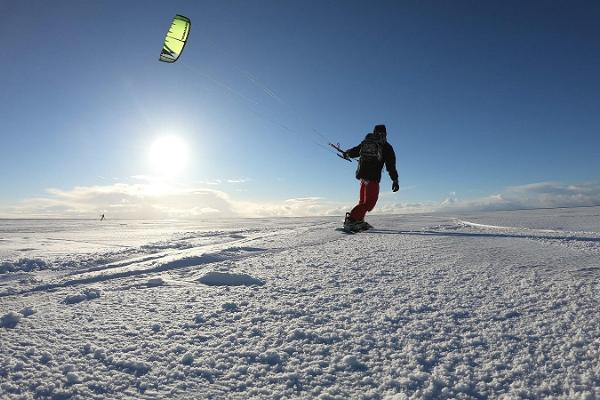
(126, 201)
(534, 195)
(156, 200)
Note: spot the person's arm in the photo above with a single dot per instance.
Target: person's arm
(390, 166)
(353, 152)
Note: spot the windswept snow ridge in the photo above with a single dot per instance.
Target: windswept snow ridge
(422, 307)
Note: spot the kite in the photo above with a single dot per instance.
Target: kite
(176, 38)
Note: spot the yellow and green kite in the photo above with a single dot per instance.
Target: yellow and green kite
(176, 38)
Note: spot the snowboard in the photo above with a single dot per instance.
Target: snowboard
(365, 227)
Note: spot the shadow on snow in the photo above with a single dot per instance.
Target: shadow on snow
(485, 235)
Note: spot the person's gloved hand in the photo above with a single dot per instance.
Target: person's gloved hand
(395, 186)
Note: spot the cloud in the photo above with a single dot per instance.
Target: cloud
(158, 200)
(127, 201)
(534, 195)
(239, 180)
(294, 207)
(152, 199)
(215, 182)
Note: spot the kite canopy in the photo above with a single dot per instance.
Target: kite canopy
(175, 39)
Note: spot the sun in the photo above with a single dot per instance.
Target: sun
(168, 155)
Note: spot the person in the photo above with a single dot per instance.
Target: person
(374, 152)
(102, 217)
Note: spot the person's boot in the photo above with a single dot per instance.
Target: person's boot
(349, 223)
(361, 226)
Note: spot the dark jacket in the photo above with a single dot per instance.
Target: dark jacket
(372, 171)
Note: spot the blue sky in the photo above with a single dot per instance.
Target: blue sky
(481, 99)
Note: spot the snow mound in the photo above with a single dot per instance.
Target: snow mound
(187, 359)
(230, 307)
(352, 363)
(215, 278)
(10, 319)
(27, 311)
(199, 318)
(271, 357)
(132, 366)
(23, 265)
(165, 245)
(155, 282)
(87, 294)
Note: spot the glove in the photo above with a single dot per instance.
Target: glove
(395, 186)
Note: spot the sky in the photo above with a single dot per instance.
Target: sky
(488, 105)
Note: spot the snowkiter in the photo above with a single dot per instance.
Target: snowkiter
(374, 152)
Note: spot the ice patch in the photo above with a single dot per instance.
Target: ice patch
(216, 278)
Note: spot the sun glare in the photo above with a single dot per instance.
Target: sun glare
(168, 155)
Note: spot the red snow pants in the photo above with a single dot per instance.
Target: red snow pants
(369, 192)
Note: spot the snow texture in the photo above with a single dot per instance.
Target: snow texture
(86, 294)
(216, 278)
(491, 305)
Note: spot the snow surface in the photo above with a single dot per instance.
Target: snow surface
(497, 305)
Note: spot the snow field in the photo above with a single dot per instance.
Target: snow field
(422, 307)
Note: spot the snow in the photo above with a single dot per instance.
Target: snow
(10, 319)
(463, 306)
(86, 294)
(216, 278)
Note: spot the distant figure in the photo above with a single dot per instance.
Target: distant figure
(102, 217)
(374, 151)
